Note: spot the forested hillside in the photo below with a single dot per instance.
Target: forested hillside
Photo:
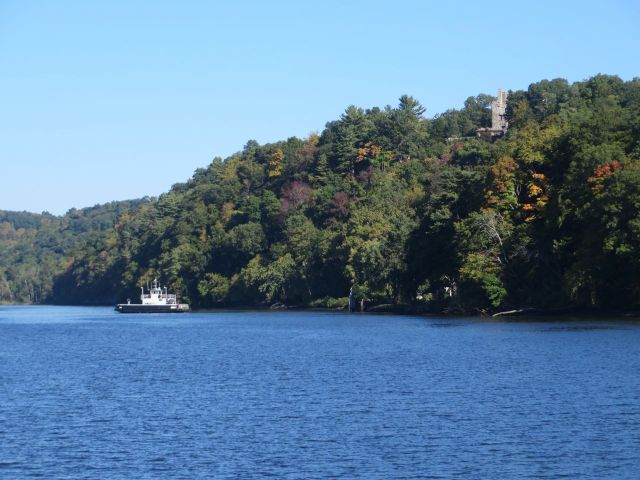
(36, 249)
(403, 208)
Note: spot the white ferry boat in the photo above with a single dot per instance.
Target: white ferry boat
(158, 300)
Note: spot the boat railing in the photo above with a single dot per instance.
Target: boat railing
(169, 297)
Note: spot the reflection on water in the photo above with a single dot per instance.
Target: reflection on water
(583, 328)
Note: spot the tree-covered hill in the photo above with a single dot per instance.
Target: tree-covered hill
(35, 250)
(403, 208)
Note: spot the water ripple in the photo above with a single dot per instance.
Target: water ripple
(85, 393)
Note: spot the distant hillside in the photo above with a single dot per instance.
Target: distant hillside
(36, 249)
(399, 207)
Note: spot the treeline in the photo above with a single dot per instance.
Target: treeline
(36, 250)
(399, 207)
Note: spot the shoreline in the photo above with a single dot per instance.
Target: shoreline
(402, 309)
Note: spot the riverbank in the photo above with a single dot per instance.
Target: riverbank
(401, 309)
(421, 309)
(539, 312)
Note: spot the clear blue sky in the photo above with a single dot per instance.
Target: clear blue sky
(113, 100)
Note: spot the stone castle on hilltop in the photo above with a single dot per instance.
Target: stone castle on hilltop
(499, 122)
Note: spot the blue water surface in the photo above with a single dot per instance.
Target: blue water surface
(90, 393)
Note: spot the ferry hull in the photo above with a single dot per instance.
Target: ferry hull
(138, 308)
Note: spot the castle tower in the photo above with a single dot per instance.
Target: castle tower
(498, 111)
(499, 122)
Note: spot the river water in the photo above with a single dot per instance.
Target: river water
(90, 393)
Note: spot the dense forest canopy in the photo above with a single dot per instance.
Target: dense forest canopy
(399, 207)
